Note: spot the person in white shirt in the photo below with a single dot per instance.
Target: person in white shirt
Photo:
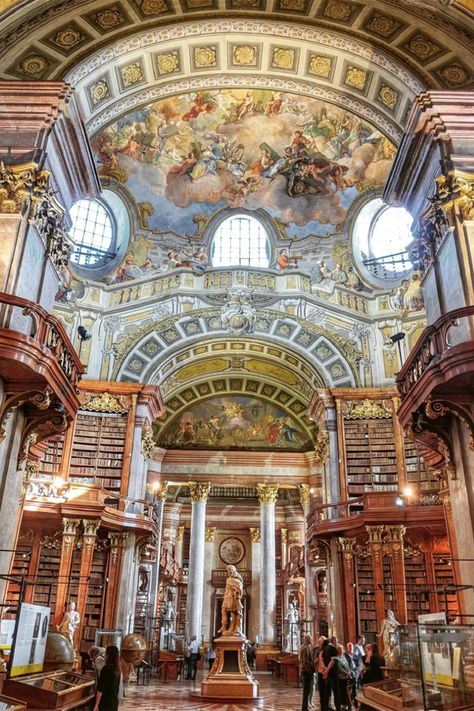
(193, 658)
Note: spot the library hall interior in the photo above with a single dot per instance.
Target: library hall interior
(237, 355)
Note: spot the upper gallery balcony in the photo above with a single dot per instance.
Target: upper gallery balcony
(36, 356)
(440, 366)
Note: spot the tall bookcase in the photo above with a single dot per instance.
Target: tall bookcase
(418, 474)
(444, 578)
(50, 464)
(95, 593)
(98, 450)
(417, 594)
(366, 595)
(21, 563)
(371, 462)
(48, 571)
(389, 592)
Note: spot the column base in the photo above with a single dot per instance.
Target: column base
(230, 676)
(263, 652)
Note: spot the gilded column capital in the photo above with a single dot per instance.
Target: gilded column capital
(284, 536)
(254, 535)
(180, 534)
(321, 445)
(199, 491)
(305, 494)
(90, 526)
(209, 535)
(70, 526)
(267, 493)
(375, 533)
(18, 183)
(395, 533)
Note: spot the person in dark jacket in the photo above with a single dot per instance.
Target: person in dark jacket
(306, 664)
(330, 653)
(107, 696)
(373, 667)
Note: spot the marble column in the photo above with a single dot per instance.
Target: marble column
(310, 593)
(199, 493)
(254, 613)
(267, 495)
(207, 630)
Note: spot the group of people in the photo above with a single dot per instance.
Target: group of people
(337, 671)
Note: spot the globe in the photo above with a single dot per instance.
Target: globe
(59, 653)
(133, 649)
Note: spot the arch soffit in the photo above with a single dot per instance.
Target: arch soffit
(143, 354)
(435, 41)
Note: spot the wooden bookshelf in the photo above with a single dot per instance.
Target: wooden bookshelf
(95, 593)
(417, 594)
(389, 591)
(181, 609)
(418, 474)
(444, 578)
(371, 462)
(51, 461)
(366, 596)
(97, 455)
(20, 568)
(48, 571)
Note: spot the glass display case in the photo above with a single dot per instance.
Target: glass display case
(55, 690)
(7, 704)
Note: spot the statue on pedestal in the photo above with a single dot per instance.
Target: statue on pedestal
(232, 603)
(292, 619)
(389, 633)
(168, 625)
(70, 622)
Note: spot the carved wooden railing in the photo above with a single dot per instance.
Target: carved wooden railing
(433, 343)
(45, 330)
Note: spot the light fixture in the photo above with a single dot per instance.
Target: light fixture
(408, 492)
(399, 501)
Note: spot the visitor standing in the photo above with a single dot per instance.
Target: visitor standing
(210, 655)
(193, 658)
(330, 653)
(306, 664)
(107, 696)
(373, 666)
(357, 657)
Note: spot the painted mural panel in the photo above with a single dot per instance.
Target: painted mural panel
(302, 160)
(237, 422)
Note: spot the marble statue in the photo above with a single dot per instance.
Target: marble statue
(292, 619)
(232, 603)
(389, 633)
(168, 625)
(70, 623)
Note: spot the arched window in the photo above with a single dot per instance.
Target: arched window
(381, 236)
(92, 233)
(241, 240)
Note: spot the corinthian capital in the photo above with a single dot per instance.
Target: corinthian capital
(305, 495)
(267, 493)
(199, 491)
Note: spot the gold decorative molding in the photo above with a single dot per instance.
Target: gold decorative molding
(284, 536)
(105, 403)
(164, 491)
(267, 493)
(90, 526)
(148, 442)
(455, 193)
(18, 183)
(375, 533)
(366, 410)
(169, 534)
(180, 534)
(346, 546)
(118, 542)
(255, 535)
(294, 537)
(210, 535)
(70, 526)
(321, 445)
(305, 494)
(395, 533)
(198, 491)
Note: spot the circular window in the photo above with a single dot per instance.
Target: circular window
(241, 240)
(381, 236)
(92, 233)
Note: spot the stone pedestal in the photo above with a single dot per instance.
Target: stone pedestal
(230, 676)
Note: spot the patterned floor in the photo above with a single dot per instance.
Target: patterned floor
(174, 696)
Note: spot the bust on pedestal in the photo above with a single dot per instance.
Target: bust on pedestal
(230, 676)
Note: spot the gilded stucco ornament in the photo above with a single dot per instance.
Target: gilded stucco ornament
(244, 55)
(68, 37)
(148, 442)
(283, 58)
(20, 182)
(254, 535)
(105, 403)
(366, 410)
(455, 193)
(168, 63)
(320, 66)
(356, 77)
(205, 56)
(321, 445)
(305, 494)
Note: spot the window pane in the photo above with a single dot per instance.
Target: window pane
(240, 240)
(91, 232)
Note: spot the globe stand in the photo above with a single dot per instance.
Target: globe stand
(230, 676)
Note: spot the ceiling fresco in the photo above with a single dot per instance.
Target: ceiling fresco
(236, 423)
(302, 160)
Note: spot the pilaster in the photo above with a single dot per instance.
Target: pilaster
(116, 551)
(70, 533)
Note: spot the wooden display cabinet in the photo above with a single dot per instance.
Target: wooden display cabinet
(55, 690)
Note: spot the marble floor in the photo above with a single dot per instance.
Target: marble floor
(175, 696)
